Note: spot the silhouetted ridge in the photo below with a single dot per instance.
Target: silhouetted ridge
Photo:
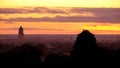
(84, 53)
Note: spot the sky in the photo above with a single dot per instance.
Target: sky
(60, 16)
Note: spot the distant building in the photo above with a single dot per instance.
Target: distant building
(21, 32)
(84, 50)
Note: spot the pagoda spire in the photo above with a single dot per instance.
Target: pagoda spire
(21, 32)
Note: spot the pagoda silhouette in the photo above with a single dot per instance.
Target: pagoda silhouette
(21, 32)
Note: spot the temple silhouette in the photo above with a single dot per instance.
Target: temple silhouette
(21, 32)
(84, 50)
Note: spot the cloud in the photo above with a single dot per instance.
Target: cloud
(10, 11)
(30, 29)
(31, 10)
(111, 15)
(8, 28)
(1, 19)
(96, 10)
(58, 10)
(66, 19)
(42, 29)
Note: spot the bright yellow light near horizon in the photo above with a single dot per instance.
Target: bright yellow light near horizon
(60, 3)
(71, 28)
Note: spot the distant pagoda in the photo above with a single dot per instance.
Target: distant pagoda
(21, 32)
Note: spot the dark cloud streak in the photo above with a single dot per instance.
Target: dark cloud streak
(104, 19)
(111, 15)
(30, 10)
(29, 29)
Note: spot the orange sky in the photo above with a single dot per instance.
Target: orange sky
(60, 16)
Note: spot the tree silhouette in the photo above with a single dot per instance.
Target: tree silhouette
(24, 56)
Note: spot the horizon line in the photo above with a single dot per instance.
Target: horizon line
(58, 34)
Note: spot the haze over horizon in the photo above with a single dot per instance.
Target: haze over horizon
(60, 16)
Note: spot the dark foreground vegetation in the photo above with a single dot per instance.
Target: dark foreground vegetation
(84, 53)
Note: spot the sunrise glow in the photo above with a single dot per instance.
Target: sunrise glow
(60, 16)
